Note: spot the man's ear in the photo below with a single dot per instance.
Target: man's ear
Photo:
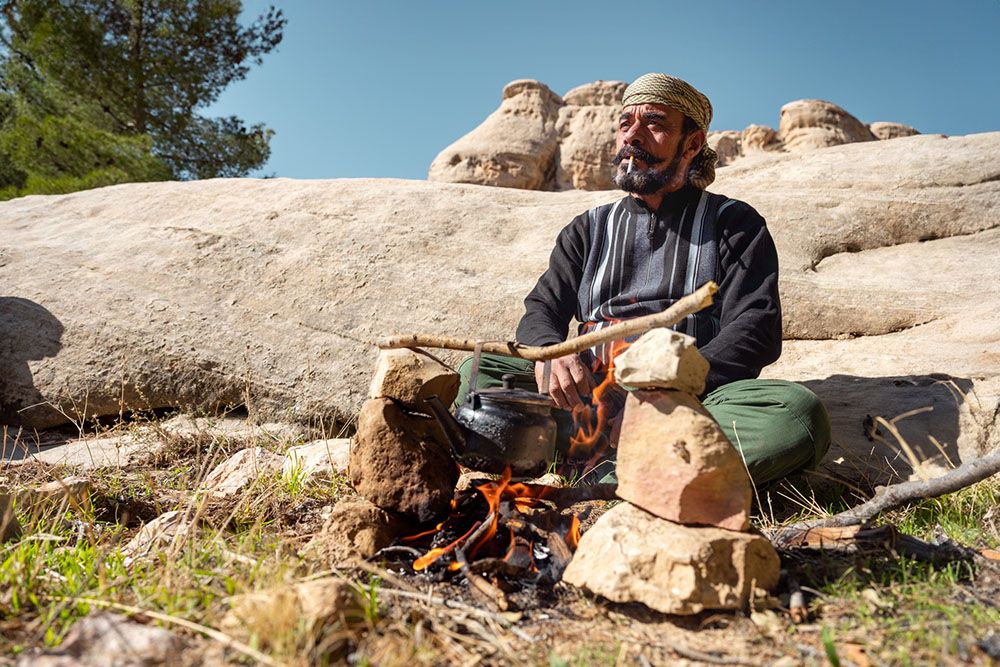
(694, 142)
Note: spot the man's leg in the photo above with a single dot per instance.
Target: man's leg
(492, 367)
(780, 427)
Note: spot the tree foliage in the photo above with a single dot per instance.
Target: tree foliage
(106, 91)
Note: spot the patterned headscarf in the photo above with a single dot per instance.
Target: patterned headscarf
(655, 88)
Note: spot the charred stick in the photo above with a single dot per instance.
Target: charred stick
(688, 305)
(491, 592)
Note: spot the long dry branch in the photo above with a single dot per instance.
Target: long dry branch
(897, 495)
(687, 305)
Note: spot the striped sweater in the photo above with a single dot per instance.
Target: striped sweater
(624, 260)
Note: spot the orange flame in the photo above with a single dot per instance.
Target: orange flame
(573, 534)
(424, 561)
(589, 430)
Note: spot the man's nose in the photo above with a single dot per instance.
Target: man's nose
(631, 135)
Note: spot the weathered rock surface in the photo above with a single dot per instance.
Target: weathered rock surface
(409, 377)
(675, 462)
(586, 135)
(513, 148)
(319, 456)
(727, 144)
(400, 461)
(279, 612)
(110, 640)
(629, 555)
(810, 124)
(759, 138)
(886, 130)
(158, 534)
(239, 470)
(665, 359)
(191, 294)
(356, 529)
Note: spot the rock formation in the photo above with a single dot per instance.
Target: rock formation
(809, 124)
(268, 293)
(513, 148)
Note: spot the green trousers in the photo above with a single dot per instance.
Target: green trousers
(780, 427)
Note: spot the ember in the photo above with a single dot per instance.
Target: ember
(501, 530)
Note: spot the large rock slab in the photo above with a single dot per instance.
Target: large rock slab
(675, 462)
(629, 555)
(206, 293)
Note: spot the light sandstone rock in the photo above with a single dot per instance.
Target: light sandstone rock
(280, 612)
(239, 470)
(401, 461)
(514, 147)
(675, 462)
(356, 529)
(110, 640)
(665, 359)
(409, 377)
(586, 131)
(886, 130)
(233, 429)
(810, 124)
(319, 456)
(759, 138)
(726, 144)
(59, 493)
(274, 286)
(629, 555)
(158, 534)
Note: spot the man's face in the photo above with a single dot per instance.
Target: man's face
(653, 134)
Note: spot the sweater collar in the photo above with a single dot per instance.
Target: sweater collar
(673, 202)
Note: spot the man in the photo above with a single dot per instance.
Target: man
(641, 253)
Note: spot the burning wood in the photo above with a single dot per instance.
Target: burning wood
(499, 533)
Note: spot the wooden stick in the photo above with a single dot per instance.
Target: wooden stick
(688, 305)
(897, 495)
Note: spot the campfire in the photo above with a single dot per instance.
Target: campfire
(497, 535)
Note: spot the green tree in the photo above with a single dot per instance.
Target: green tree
(104, 91)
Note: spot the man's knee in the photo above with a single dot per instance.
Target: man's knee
(805, 407)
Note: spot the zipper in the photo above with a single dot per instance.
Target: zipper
(651, 227)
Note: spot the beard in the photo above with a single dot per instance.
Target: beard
(644, 181)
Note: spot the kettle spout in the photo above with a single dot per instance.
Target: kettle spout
(454, 431)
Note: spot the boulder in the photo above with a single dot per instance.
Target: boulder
(401, 461)
(727, 144)
(759, 138)
(629, 555)
(320, 456)
(514, 147)
(586, 132)
(664, 359)
(809, 124)
(239, 470)
(356, 529)
(111, 640)
(409, 377)
(886, 130)
(675, 462)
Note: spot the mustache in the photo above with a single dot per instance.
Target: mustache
(628, 151)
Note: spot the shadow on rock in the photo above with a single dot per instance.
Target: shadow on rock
(929, 413)
(28, 332)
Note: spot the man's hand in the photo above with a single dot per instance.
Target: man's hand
(570, 381)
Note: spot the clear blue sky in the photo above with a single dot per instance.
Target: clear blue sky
(378, 88)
